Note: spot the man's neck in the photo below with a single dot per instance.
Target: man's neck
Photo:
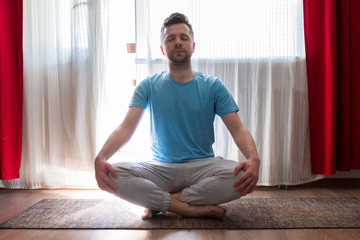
(181, 73)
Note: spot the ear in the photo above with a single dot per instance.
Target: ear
(193, 47)
(162, 49)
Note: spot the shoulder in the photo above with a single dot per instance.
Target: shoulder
(210, 80)
(151, 82)
(154, 78)
(207, 79)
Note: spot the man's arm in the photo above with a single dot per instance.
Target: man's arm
(243, 139)
(116, 140)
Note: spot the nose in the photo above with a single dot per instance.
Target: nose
(178, 42)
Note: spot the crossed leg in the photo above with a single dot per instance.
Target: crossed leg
(186, 210)
(198, 187)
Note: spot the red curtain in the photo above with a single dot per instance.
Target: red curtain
(11, 87)
(332, 41)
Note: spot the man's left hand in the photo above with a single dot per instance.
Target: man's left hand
(247, 181)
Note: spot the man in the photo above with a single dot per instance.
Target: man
(185, 177)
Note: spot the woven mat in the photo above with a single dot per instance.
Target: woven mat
(245, 213)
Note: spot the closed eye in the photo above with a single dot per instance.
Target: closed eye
(170, 39)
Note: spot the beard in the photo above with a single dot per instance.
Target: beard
(179, 59)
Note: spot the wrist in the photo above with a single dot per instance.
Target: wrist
(100, 157)
(254, 158)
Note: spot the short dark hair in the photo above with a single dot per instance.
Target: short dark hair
(176, 18)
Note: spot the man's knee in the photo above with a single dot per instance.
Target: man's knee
(226, 171)
(123, 170)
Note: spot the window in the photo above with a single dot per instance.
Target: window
(227, 29)
(82, 28)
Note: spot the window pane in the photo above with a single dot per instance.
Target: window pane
(227, 29)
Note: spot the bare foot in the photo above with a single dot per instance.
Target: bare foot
(176, 195)
(207, 211)
(148, 214)
(186, 210)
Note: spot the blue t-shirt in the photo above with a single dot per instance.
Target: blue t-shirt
(182, 114)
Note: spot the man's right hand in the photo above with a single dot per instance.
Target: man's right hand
(118, 138)
(102, 168)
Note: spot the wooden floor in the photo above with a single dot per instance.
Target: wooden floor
(14, 201)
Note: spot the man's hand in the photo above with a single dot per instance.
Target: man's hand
(247, 181)
(118, 138)
(243, 139)
(102, 168)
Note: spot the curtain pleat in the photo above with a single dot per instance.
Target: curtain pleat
(332, 56)
(11, 88)
(64, 54)
(354, 10)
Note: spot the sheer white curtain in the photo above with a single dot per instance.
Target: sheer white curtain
(256, 47)
(64, 52)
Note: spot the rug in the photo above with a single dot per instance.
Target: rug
(245, 213)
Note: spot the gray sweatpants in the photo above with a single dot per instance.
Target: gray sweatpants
(201, 182)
